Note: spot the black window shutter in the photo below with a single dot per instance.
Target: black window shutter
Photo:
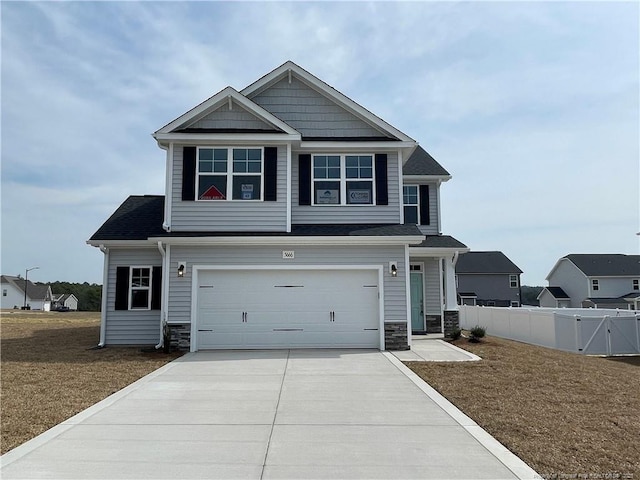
(382, 192)
(304, 179)
(189, 173)
(270, 173)
(156, 289)
(122, 288)
(424, 205)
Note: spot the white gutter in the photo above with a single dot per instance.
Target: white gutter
(103, 303)
(165, 272)
(296, 240)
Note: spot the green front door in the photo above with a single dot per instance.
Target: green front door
(417, 302)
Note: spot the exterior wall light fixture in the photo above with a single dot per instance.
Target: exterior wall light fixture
(182, 266)
(393, 269)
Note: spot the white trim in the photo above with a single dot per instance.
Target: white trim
(196, 269)
(229, 173)
(288, 67)
(343, 180)
(437, 251)
(417, 204)
(400, 184)
(242, 138)
(125, 243)
(103, 307)
(407, 290)
(168, 197)
(343, 146)
(289, 187)
(301, 240)
(215, 102)
(148, 289)
(423, 179)
(439, 210)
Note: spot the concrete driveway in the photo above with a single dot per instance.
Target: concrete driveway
(326, 414)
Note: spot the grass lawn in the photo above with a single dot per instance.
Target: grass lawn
(564, 414)
(49, 373)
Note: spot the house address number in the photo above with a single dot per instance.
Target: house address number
(288, 254)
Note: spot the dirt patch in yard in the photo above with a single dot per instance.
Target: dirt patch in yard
(49, 371)
(564, 414)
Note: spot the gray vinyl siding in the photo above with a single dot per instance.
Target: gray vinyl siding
(325, 214)
(432, 300)
(433, 228)
(311, 113)
(395, 303)
(130, 327)
(234, 118)
(489, 287)
(228, 216)
(571, 279)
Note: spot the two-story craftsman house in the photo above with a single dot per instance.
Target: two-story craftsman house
(293, 217)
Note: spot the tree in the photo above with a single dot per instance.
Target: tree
(89, 295)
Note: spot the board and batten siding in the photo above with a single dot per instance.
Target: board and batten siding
(433, 228)
(311, 113)
(328, 214)
(235, 118)
(130, 327)
(432, 280)
(228, 216)
(395, 303)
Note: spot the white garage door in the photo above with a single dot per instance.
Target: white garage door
(287, 308)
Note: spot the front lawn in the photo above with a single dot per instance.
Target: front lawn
(564, 414)
(49, 373)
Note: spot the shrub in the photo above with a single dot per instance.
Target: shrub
(456, 333)
(476, 333)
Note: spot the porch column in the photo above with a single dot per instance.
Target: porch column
(450, 293)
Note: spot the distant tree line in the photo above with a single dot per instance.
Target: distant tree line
(529, 295)
(89, 295)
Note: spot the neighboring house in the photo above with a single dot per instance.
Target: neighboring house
(64, 301)
(13, 288)
(488, 279)
(554, 297)
(293, 217)
(595, 281)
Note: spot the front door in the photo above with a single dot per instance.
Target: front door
(417, 302)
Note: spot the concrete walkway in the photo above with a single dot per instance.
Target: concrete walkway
(326, 414)
(433, 350)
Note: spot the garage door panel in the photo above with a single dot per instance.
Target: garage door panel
(287, 309)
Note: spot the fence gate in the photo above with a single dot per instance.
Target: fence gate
(608, 335)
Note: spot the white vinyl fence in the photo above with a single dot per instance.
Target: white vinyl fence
(588, 331)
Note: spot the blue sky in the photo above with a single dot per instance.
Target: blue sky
(532, 107)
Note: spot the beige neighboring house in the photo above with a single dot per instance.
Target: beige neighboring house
(39, 297)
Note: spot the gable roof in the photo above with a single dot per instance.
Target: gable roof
(606, 265)
(34, 291)
(289, 70)
(556, 292)
(140, 217)
(421, 163)
(228, 95)
(486, 262)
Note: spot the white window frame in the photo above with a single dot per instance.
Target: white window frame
(513, 281)
(417, 204)
(343, 180)
(4, 292)
(595, 284)
(514, 303)
(230, 174)
(147, 288)
(635, 283)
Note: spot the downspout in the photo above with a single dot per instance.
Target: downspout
(103, 301)
(165, 272)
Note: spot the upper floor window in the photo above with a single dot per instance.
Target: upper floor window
(229, 173)
(595, 284)
(636, 284)
(4, 292)
(411, 204)
(513, 281)
(343, 180)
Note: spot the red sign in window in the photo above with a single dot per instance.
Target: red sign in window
(212, 193)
